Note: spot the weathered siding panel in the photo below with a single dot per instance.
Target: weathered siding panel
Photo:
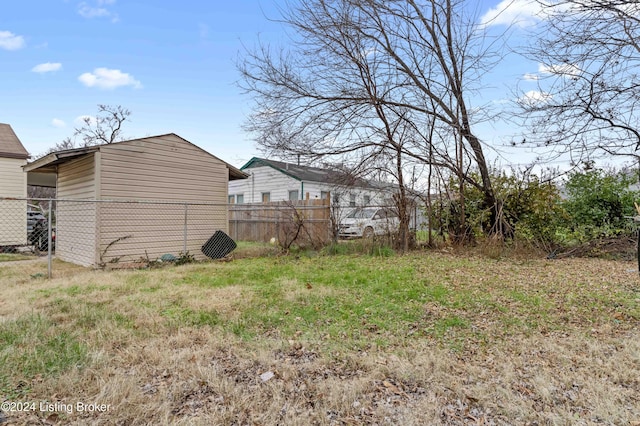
(76, 220)
(13, 214)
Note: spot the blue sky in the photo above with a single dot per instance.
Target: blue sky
(172, 63)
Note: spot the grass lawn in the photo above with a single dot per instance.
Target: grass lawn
(426, 338)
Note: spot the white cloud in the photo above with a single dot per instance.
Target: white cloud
(10, 41)
(567, 70)
(521, 13)
(534, 97)
(563, 70)
(105, 78)
(82, 120)
(97, 10)
(56, 122)
(47, 67)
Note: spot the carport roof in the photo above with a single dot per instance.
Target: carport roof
(10, 145)
(47, 163)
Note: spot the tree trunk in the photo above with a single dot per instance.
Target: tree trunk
(487, 189)
(401, 204)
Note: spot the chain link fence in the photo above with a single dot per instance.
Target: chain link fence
(23, 226)
(116, 234)
(108, 233)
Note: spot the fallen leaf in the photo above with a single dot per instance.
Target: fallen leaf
(393, 388)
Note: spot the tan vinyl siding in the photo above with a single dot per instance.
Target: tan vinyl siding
(138, 230)
(162, 168)
(76, 220)
(13, 214)
(13, 181)
(76, 179)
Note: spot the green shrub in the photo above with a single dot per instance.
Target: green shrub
(599, 203)
(528, 207)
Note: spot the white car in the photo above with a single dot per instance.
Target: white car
(368, 222)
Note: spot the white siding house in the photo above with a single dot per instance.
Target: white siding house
(271, 180)
(13, 184)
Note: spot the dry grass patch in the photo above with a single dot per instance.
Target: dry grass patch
(11, 257)
(428, 338)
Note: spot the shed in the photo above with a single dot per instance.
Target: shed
(138, 198)
(13, 184)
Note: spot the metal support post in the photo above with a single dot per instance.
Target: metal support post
(49, 241)
(186, 210)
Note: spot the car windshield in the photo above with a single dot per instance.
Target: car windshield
(361, 214)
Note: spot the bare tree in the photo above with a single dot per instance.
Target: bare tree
(587, 103)
(367, 80)
(66, 143)
(105, 128)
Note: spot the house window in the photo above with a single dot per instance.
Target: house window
(352, 200)
(266, 197)
(232, 199)
(367, 200)
(324, 195)
(240, 198)
(293, 195)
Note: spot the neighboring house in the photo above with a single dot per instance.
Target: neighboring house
(13, 184)
(167, 168)
(271, 180)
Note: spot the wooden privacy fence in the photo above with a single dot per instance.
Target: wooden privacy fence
(303, 222)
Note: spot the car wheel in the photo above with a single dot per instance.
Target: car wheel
(368, 232)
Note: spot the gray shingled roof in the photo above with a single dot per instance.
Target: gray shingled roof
(10, 145)
(313, 174)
